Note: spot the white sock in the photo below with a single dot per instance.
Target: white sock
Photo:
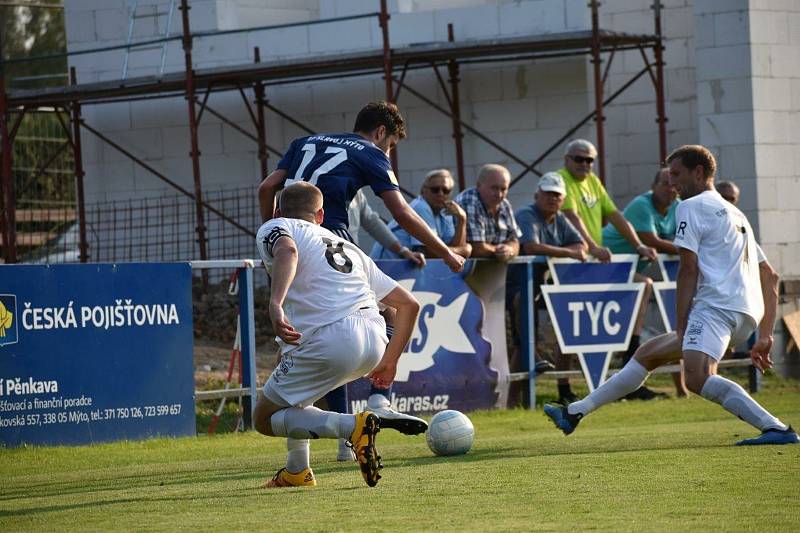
(734, 399)
(631, 377)
(377, 400)
(297, 456)
(310, 422)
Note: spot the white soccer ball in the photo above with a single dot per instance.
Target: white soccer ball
(450, 433)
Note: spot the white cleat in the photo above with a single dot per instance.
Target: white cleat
(391, 419)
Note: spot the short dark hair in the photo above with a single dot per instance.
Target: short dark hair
(299, 200)
(658, 174)
(691, 155)
(381, 113)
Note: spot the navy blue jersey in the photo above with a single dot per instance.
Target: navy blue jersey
(339, 165)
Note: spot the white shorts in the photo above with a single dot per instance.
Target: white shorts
(332, 356)
(711, 330)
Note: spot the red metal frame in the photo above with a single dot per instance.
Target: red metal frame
(358, 64)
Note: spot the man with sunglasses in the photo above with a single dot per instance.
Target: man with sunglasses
(587, 203)
(445, 218)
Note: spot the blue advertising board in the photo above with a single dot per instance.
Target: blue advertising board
(95, 352)
(668, 264)
(619, 270)
(593, 320)
(566, 271)
(666, 293)
(456, 357)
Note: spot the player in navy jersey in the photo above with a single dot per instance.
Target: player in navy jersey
(339, 165)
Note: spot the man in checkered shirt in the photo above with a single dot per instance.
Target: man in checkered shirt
(491, 228)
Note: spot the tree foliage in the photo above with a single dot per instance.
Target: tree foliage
(30, 29)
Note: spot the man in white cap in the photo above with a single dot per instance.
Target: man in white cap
(547, 231)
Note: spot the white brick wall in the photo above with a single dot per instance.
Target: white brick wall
(713, 48)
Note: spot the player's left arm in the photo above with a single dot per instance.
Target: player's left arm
(688, 273)
(284, 269)
(407, 308)
(267, 190)
(759, 354)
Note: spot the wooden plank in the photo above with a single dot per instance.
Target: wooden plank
(46, 215)
(792, 321)
(30, 240)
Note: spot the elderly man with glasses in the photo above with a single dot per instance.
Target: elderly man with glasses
(445, 218)
(587, 203)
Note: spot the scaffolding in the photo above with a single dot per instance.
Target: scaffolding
(196, 85)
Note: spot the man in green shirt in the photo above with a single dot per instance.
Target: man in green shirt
(587, 203)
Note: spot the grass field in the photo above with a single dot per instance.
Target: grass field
(661, 465)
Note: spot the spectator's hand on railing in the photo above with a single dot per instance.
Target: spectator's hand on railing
(454, 261)
(578, 254)
(647, 252)
(504, 252)
(415, 257)
(600, 253)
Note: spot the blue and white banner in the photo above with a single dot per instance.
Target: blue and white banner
(456, 358)
(620, 269)
(92, 353)
(668, 264)
(593, 318)
(666, 293)
(566, 271)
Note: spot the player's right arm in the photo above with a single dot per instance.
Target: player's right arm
(267, 190)
(759, 354)
(410, 221)
(284, 269)
(407, 308)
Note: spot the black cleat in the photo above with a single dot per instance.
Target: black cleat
(561, 418)
(643, 393)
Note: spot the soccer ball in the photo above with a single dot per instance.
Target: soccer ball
(450, 433)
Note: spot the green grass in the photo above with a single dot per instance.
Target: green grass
(663, 465)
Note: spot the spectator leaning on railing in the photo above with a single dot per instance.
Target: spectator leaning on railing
(652, 215)
(546, 232)
(491, 227)
(587, 204)
(361, 215)
(445, 218)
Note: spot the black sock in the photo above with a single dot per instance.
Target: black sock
(564, 390)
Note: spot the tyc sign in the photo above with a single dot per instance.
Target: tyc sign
(593, 307)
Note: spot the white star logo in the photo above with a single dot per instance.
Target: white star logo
(437, 327)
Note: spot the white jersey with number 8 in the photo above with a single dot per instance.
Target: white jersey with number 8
(334, 277)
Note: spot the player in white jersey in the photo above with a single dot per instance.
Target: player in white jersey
(726, 289)
(324, 295)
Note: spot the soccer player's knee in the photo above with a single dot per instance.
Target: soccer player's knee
(263, 425)
(695, 381)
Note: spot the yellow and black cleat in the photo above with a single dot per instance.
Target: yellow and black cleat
(284, 478)
(363, 442)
